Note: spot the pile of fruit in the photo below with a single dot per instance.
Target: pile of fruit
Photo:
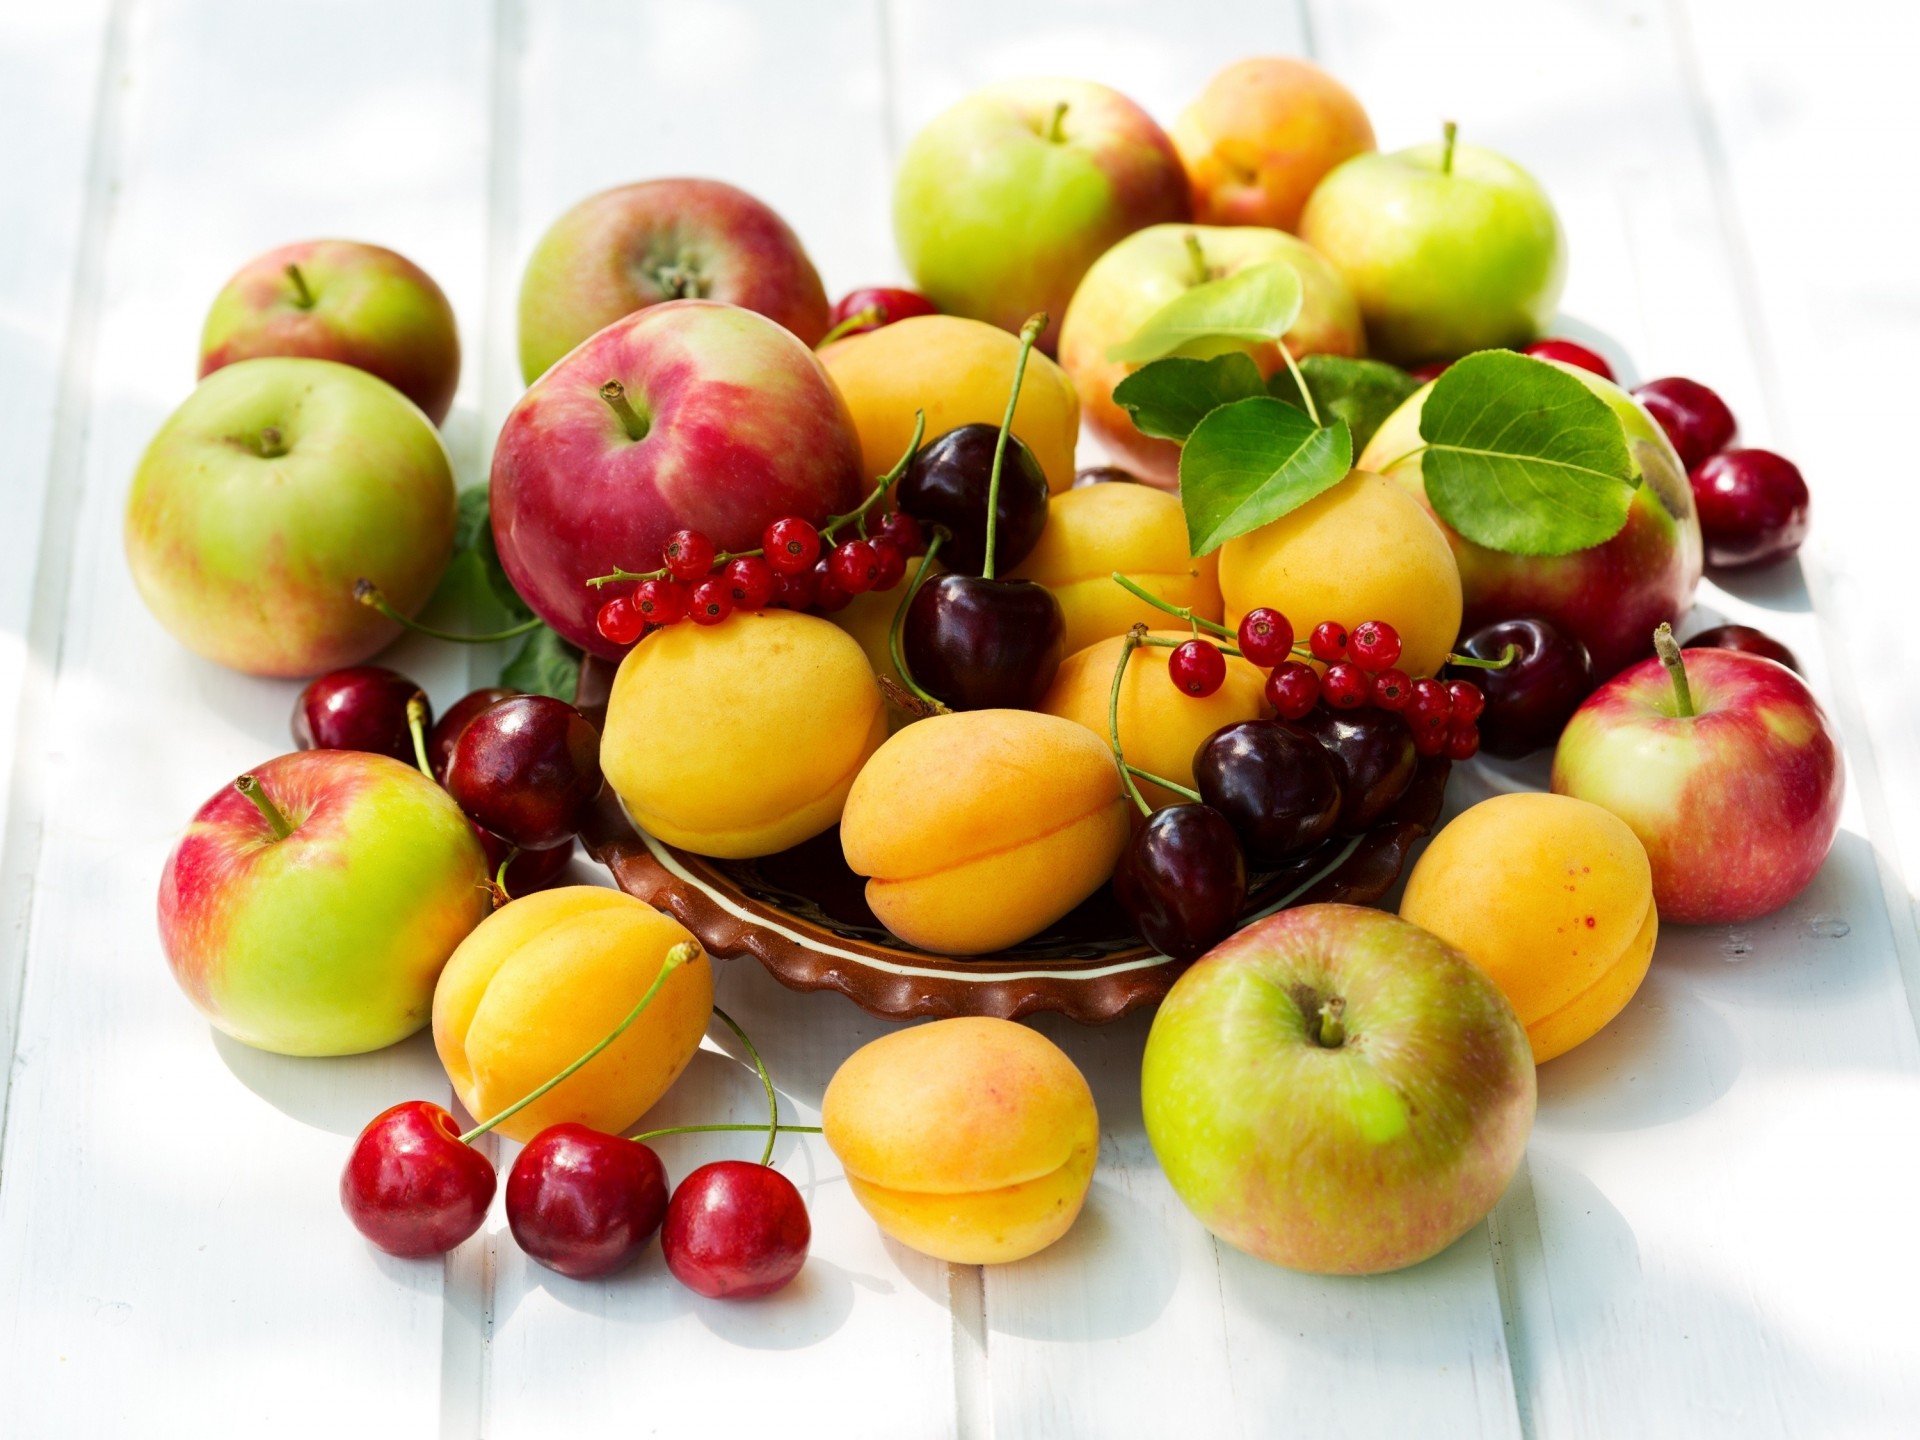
(1364, 518)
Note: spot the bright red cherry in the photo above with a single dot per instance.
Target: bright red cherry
(855, 566)
(876, 305)
(1197, 667)
(411, 1187)
(1392, 690)
(528, 769)
(1328, 641)
(447, 730)
(749, 582)
(893, 562)
(1374, 645)
(1293, 689)
(1569, 352)
(688, 555)
(620, 622)
(585, 1203)
(1754, 507)
(661, 602)
(1266, 637)
(710, 603)
(791, 545)
(735, 1230)
(363, 707)
(1696, 420)
(1346, 686)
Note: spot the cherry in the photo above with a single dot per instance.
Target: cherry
(710, 603)
(447, 730)
(735, 1230)
(893, 562)
(1346, 686)
(1103, 475)
(363, 707)
(1274, 783)
(749, 582)
(1197, 668)
(688, 555)
(1528, 702)
(1265, 637)
(620, 621)
(1753, 507)
(585, 1203)
(791, 545)
(1392, 690)
(854, 566)
(528, 769)
(1570, 352)
(1747, 640)
(661, 602)
(529, 870)
(1374, 645)
(903, 530)
(1328, 642)
(1182, 880)
(1373, 758)
(1696, 420)
(410, 1185)
(978, 644)
(858, 311)
(1293, 689)
(946, 484)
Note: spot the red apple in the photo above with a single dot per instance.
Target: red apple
(637, 245)
(1726, 768)
(362, 305)
(732, 424)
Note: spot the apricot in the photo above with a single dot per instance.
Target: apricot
(1135, 529)
(969, 1140)
(540, 982)
(1553, 898)
(1363, 550)
(959, 371)
(1160, 726)
(741, 738)
(980, 828)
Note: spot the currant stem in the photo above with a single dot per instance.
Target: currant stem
(1668, 649)
(766, 1082)
(868, 316)
(1468, 662)
(1167, 642)
(368, 594)
(900, 619)
(277, 821)
(302, 296)
(682, 954)
(417, 727)
(1299, 381)
(1452, 132)
(642, 1138)
(631, 420)
(1182, 612)
(1332, 1030)
(1199, 258)
(1029, 332)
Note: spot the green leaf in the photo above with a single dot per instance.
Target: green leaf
(1251, 462)
(1361, 392)
(543, 665)
(1524, 458)
(473, 535)
(1255, 304)
(1167, 398)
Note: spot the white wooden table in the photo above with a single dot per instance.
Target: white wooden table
(1714, 1232)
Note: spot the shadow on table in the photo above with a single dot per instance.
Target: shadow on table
(338, 1094)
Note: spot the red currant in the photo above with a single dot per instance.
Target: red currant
(1463, 742)
(1346, 685)
(688, 555)
(661, 602)
(749, 582)
(1375, 645)
(1432, 707)
(893, 562)
(791, 545)
(796, 592)
(1293, 689)
(711, 602)
(1392, 690)
(829, 594)
(619, 621)
(1266, 637)
(1197, 667)
(1431, 742)
(1328, 641)
(854, 566)
(1467, 700)
(903, 530)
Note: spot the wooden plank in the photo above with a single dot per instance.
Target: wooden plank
(171, 1247)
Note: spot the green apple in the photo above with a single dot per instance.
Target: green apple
(1336, 1090)
(1004, 200)
(1449, 249)
(274, 487)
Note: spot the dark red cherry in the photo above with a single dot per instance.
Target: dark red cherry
(363, 707)
(1529, 702)
(1753, 505)
(1746, 639)
(585, 1203)
(946, 484)
(527, 769)
(1373, 756)
(1274, 783)
(530, 870)
(1696, 420)
(983, 644)
(885, 302)
(1571, 352)
(447, 730)
(735, 1230)
(1182, 880)
(411, 1187)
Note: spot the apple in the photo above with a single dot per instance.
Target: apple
(310, 905)
(1723, 764)
(1336, 1090)
(362, 305)
(638, 245)
(1006, 199)
(1450, 248)
(1151, 267)
(1609, 596)
(729, 424)
(274, 487)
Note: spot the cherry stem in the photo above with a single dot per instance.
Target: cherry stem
(277, 821)
(1182, 612)
(682, 954)
(1332, 1030)
(1132, 643)
(368, 594)
(1469, 662)
(417, 727)
(1163, 782)
(1199, 258)
(869, 316)
(1299, 380)
(1668, 649)
(766, 1082)
(1029, 332)
(631, 420)
(894, 649)
(302, 296)
(501, 895)
(642, 1138)
(1451, 131)
(1053, 125)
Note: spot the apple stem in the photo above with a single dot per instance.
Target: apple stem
(1332, 1032)
(645, 1136)
(417, 727)
(860, 318)
(1668, 649)
(631, 420)
(934, 542)
(277, 821)
(1029, 332)
(1452, 132)
(1199, 258)
(368, 594)
(1470, 662)
(1053, 125)
(684, 953)
(302, 296)
(267, 444)
(1182, 612)
(766, 1082)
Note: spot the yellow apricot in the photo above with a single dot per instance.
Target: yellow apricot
(741, 738)
(960, 372)
(980, 828)
(1160, 726)
(1553, 898)
(970, 1140)
(540, 982)
(1135, 529)
(1363, 550)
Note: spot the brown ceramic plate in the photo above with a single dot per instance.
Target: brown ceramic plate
(803, 914)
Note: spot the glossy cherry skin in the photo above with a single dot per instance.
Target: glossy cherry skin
(459, 715)
(889, 302)
(585, 1203)
(1183, 880)
(1754, 507)
(735, 1230)
(1748, 641)
(1529, 702)
(1275, 784)
(411, 1187)
(983, 644)
(1571, 352)
(1373, 756)
(946, 484)
(527, 769)
(363, 707)
(1696, 420)
(530, 870)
